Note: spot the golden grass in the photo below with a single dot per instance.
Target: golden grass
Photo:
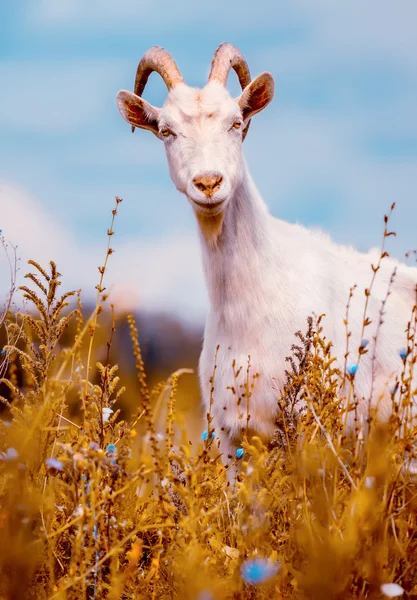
(99, 507)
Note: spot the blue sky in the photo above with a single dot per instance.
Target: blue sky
(334, 150)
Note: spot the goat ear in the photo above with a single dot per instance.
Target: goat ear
(137, 111)
(256, 96)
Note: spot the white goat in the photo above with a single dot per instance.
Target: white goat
(264, 276)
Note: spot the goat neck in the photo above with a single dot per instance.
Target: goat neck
(234, 242)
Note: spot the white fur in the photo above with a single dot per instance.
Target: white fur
(265, 276)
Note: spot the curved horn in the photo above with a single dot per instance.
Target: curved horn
(159, 60)
(228, 57)
(225, 58)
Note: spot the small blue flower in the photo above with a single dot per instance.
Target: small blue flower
(259, 570)
(94, 446)
(351, 369)
(112, 450)
(54, 463)
(10, 454)
(403, 353)
(3, 351)
(240, 452)
(204, 435)
(364, 343)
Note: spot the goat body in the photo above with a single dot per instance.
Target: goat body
(264, 276)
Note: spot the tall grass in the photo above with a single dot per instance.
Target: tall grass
(99, 507)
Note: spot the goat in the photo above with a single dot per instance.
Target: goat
(264, 276)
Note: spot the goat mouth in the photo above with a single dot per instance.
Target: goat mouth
(209, 206)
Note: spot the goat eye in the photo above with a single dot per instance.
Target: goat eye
(166, 132)
(236, 125)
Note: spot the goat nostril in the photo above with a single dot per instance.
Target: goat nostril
(218, 181)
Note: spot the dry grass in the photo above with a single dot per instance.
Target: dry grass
(90, 508)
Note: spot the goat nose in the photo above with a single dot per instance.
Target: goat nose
(208, 183)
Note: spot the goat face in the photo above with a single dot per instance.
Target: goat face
(202, 129)
(203, 139)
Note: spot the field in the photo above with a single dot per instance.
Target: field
(96, 502)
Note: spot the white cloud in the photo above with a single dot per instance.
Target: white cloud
(159, 274)
(26, 224)
(164, 275)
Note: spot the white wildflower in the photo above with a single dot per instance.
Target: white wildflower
(10, 454)
(369, 482)
(78, 512)
(392, 590)
(107, 412)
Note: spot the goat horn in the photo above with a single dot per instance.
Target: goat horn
(225, 58)
(159, 60)
(228, 57)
